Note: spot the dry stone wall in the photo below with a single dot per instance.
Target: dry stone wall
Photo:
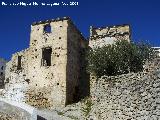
(133, 96)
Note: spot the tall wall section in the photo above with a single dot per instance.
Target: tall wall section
(77, 85)
(49, 79)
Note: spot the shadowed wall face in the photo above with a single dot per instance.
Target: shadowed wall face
(76, 82)
(2, 72)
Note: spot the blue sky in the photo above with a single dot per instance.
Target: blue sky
(142, 15)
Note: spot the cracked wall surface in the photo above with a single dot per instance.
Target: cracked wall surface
(108, 35)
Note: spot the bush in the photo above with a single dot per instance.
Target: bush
(87, 105)
(119, 58)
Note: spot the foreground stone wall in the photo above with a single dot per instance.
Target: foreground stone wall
(75, 45)
(133, 96)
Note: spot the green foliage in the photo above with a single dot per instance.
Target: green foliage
(119, 58)
(87, 106)
(60, 113)
(73, 117)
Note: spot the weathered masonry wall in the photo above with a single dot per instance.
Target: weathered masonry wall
(75, 45)
(2, 72)
(133, 96)
(157, 50)
(108, 35)
(53, 75)
(16, 76)
(47, 73)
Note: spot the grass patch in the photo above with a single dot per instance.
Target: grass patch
(73, 117)
(60, 113)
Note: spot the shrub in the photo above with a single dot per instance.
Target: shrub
(87, 105)
(119, 58)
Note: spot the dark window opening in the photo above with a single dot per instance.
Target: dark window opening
(47, 28)
(1, 73)
(2, 68)
(40, 118)
(46, 56)
(19, 62)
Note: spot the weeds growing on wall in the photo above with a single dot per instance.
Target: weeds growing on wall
(87, 106)
(120, 58)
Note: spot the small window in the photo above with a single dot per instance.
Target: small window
(1, 73)
(2, 68)
(19, 62)
(46, 56)
(47, 28)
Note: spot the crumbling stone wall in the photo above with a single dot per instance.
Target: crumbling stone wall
(2, 72)
(108, 35)
(46, 74)
(16, 76)
(157, 50)
(133, 96)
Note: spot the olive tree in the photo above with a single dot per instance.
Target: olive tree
(119, 58)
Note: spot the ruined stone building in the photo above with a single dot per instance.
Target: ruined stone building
(108, 35)
(47, 74)
(52, 71)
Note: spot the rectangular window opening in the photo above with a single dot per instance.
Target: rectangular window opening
(47, 28)
(19, 63)
(46, 56)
